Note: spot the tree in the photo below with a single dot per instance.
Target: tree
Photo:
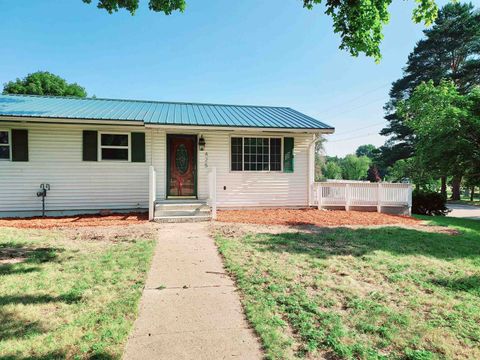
(450, 50)
(359, 23)
(43, 83)
(446, 124)
(373, 174)
(331, 170)
(355, 167)
(367, 150)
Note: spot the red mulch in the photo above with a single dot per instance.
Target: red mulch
(312, 217)
(75, 221)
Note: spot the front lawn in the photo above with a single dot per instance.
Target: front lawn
(368, 293)
(70, 294)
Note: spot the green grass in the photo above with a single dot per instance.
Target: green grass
(383, 293)
(69, 298)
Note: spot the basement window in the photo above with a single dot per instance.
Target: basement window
(256, 154)
(4, 145)
(115, 147)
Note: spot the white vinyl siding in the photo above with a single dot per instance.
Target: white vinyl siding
(55, 157)
(242, 188)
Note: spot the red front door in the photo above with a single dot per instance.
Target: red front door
(182, 165)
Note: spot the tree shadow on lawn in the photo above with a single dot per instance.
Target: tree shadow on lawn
(59, 355)
(469, 284)
(13, 326)
(326, 242)
(14, 257)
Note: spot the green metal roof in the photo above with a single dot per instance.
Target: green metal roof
(157, 112)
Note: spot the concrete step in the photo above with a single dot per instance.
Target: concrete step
(190, 206)
(183, 212)
(170, 219)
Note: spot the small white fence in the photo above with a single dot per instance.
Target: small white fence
(212, 191)
(362, 194)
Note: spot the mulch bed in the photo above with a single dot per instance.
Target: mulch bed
(75, 221)
(312, 217)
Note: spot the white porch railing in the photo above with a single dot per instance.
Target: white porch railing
(358, 194)
(152, 192)
(212, 191)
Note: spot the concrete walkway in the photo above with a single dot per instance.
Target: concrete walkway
(464, 211)
(190, 308)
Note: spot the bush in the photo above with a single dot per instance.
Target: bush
(429, 203)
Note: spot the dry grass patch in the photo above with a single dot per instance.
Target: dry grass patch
(70, 294)
(365, 293)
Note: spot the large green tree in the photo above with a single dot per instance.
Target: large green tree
(367, 150)
(446, 124)
(43, 83)
(359, 23)
(450, 50)
(355, 167)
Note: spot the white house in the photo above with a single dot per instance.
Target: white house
(98, 154)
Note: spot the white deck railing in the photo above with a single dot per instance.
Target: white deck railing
(212, 191)
(152, 192)
(358, 194)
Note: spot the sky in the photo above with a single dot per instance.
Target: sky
(269, 52)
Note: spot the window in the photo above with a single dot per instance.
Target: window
(114, 147)
(256, 154)
(4, 145)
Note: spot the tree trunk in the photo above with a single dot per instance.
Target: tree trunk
(443, 187)
(456, 187)
(472, 193)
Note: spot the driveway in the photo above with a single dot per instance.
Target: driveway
(464, 211)
(190, 308)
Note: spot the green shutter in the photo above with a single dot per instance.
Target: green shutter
(138, 147)
(288, 155)
(90, 145)
(19, 145)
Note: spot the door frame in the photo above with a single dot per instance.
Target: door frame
(195, 166)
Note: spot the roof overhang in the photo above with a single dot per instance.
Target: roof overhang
(239, 128)
(73, 121)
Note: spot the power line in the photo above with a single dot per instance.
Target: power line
(361, 128)
(352, 138)
(355, 108)
(355, 98)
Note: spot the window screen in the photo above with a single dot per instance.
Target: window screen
(114, 147)
(4, 145)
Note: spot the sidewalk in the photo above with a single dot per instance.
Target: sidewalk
(190, 309)
(464, 211)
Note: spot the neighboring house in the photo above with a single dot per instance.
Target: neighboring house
(96, 153)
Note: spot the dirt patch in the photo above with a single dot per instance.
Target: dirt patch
(111, 233)
(315, 217)
(75, 221)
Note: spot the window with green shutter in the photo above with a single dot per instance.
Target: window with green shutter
(288, 156)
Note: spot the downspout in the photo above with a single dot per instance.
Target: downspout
(311, 166)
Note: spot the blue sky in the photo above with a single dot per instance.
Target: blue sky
(267, 52)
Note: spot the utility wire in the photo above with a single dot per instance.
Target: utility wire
(352, 138)
(358, 129)
(354, 99)
(356, 107)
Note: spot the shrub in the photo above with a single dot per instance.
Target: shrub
(429, 203)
